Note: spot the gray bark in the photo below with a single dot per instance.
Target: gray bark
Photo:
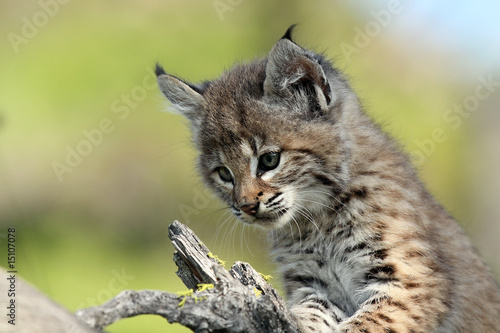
(33, 311)
(239, 301)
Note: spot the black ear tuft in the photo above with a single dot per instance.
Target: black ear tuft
(159, 70)
(289, 32)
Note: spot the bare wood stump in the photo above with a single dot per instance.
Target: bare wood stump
(238, 300)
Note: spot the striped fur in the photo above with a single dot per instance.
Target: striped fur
(360, 244)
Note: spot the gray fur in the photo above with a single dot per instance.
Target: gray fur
(359, 242)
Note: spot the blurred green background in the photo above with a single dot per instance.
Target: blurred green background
(92, 171)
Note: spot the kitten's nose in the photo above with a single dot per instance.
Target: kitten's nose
(250, 209)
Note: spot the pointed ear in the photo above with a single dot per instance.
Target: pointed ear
(290, 67)
(185, 98)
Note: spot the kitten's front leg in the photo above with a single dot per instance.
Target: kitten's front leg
(398, 310)
(403, 303)
(316, 314)
(380, 314)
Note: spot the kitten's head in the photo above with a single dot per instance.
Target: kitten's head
(269, 134)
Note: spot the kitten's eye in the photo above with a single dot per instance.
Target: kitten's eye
(269, 161)
(225, 174)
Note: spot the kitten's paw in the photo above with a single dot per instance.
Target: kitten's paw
(315, 315)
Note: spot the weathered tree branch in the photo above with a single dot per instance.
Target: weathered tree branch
(30, 311)
(238, 300)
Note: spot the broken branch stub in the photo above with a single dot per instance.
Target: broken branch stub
(238, 300)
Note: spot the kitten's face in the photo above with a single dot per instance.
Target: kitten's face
(270, 171)
(254, 179)
(267, 183)
(269, 135)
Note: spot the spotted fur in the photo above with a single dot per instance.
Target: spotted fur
(360, 244)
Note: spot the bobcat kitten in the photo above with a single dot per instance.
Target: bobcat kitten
(360, 244)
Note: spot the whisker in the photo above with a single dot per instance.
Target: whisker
(319, 203)
(173, 147)
(327, 194)
(303, 210)
(292, 218)
(245, 229)
(221, 225)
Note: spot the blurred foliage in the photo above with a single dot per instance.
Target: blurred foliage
(90, 63)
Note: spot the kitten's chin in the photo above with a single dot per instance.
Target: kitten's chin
(268, 222)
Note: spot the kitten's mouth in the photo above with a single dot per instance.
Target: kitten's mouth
(272, 221)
